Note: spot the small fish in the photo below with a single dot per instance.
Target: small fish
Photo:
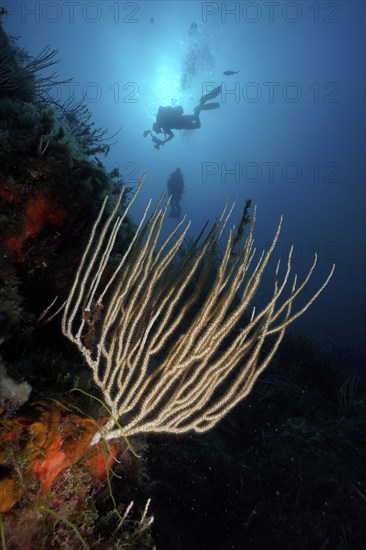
(229, 73)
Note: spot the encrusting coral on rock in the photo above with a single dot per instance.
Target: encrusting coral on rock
(51, 186)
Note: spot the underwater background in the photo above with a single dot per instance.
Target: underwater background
(289, 133)
(286, 468)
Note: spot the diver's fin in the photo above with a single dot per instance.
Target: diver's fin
(211, 95)
(209, 106)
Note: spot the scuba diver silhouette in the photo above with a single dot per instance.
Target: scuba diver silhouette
(175, 185)
(169, 118)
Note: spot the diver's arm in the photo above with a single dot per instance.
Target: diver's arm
(170, 135)
(159, 142)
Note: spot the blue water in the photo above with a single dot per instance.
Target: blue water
(289, 133)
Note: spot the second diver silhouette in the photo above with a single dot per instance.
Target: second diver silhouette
(175, 185)
(172, 118)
